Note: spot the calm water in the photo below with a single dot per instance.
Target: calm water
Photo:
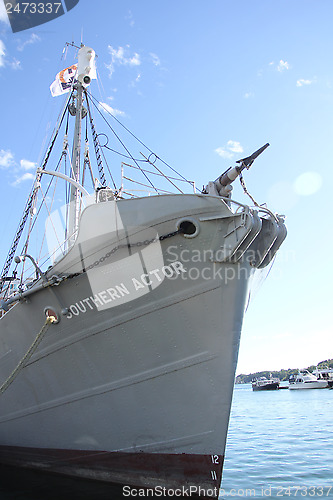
(280, 445)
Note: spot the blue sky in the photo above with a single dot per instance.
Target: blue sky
(204, 83)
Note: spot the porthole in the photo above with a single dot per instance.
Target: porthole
(189, 227)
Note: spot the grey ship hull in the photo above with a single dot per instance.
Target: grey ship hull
(134, 384)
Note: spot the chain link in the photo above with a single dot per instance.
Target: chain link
(138, 244)
(241, 178)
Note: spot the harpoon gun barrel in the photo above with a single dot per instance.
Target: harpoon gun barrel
(247, 162)
(233, 172)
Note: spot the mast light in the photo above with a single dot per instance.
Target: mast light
(86, 68)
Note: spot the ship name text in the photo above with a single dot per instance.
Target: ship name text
(124, 292)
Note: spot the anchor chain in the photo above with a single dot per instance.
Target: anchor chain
(241, 179)
(56, 280)
(130, 245)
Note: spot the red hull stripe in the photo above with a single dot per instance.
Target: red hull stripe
(139, 470)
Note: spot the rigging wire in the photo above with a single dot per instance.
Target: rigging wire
(50, 219)
(56, 131)
(137, 139)
(155, 173)
(86, 161)
(123, 145)
(33, 194)
(160, 171)
(51, 107)
(145, 185)
(122, 154)
(63, 156)
(32, 200)
(98, 150)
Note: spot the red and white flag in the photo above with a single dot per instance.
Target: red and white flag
(64, 81)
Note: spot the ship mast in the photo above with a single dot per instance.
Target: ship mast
(86, 71)
(74, 207)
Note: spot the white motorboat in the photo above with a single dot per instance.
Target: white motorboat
(306, 380)
(324, 373)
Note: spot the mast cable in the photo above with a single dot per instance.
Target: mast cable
(154, 173)
(122, 154)
(86, 161)
(33, 222)
(144, 145)
(144, 185)
(97, 147)
(29, 203)
(121, 142)
(50, 218)
(161, 173)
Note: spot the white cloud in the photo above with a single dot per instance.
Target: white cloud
(235, 147)
(301, 82)
(224, 153)
(283, 65)
(122, 57)
(2, 53)
(248, 95)
(115, 112)
(20, 171)
(15, 64)
(27, 165)
(25, 177)
(33, 39)
(130, 18)
(229, 149)
(134, 61)
(280, 66)
(135, 81)
(6, 158)
(155, 59)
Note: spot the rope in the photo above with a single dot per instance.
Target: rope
(28, 354)
(246, 191)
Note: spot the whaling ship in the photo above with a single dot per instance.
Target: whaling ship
(118, 351)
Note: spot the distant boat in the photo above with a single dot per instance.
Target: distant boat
(265, 384)
(324, 374)
(306, 380)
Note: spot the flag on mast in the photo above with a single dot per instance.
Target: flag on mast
(64, 81)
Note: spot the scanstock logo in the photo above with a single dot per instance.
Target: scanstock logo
(121, 263)
(24, 15)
